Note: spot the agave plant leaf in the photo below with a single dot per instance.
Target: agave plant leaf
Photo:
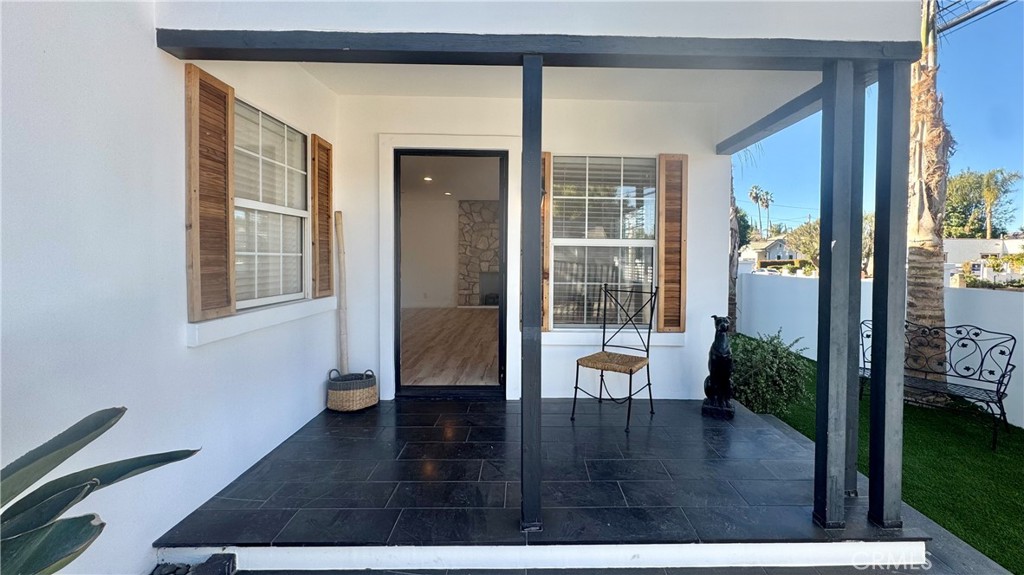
(47, 511)
(21, 473)
(107, 474)
(49, 548)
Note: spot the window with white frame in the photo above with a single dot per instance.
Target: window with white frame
(602, 232)
(271, 209)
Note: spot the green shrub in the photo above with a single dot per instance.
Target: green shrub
(973, 281)
(769, 374)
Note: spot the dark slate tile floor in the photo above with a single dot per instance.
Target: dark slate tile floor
(416, 472)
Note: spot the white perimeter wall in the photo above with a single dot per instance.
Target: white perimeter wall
(767, 303)
(819, 20)
(430, 258)
(94, 300)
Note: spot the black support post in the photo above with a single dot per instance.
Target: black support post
(532, 264)
(836, 241)
(889, 295)
(856, 257)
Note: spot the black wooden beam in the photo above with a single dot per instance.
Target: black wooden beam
(834, 292)
(856, 251)
(781, 118)
(889, 296)
(532, 265)
(507, 49)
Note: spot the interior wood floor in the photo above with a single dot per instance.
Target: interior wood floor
(450, 346)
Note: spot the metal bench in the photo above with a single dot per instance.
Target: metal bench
(961, 361)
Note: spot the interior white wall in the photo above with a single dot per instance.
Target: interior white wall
(820, 19)
(430, 259)
(94, 299)
(766, 304)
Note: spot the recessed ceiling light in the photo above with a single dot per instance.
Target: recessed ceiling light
(428, 179)
(447, 193)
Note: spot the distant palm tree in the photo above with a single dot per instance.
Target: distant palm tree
(756, 194)
(766, 202)
(995, 185)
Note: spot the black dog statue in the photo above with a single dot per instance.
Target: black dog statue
(718, 384)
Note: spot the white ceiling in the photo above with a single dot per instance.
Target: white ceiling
(739, 96)
(630, 84)
(466, 178)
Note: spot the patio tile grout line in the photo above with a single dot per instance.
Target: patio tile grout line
(283, 527)
(392, 496)
(626, 501)
(395, 526)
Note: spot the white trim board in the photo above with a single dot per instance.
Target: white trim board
(845, 553)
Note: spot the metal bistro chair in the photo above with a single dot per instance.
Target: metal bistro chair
(621, 303)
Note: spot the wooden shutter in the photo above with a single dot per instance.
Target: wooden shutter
(545, 231)
(323, 278)
(210, 152)
(672, 176)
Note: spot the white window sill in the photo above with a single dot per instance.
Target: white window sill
(589, 337)
(199, 334)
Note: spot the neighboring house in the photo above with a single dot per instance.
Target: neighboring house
(963, 250)
(774, 248)
(171, 172)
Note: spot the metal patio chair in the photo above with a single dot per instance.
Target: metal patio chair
(622, 309)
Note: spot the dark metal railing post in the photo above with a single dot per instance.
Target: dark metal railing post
(889, 295)
(532, 262)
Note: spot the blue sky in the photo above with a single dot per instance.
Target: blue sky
(981, 78)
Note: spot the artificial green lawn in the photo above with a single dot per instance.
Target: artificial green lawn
(951, 474)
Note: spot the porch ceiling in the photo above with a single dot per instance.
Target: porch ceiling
(741, 96)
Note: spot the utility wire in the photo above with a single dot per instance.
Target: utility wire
(969, 16)
(978, 19)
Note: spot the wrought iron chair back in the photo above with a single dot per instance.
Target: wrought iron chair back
(628, 307)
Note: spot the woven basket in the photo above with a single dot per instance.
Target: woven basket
(352, 391)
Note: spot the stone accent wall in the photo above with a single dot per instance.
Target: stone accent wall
(479, 247)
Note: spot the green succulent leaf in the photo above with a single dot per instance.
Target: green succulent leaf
(49, 548)
(31, 467)
(48, 510)
(107, 474)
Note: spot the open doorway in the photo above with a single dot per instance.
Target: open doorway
(450, 272)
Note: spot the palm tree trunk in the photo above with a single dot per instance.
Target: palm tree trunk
(930, 147)
(988, 221)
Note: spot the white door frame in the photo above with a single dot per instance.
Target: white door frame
(388, 143)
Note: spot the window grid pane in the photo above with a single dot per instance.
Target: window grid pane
(602, 200)
(270, 167)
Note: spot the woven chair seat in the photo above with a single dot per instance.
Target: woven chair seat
(610, 361)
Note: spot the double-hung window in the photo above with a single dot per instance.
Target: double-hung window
(271, 211)
(258, 205)
(604, 214)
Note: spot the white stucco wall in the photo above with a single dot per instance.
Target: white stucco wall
(94, 300)
(819, 20)
(430, 248)
(759, 311)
